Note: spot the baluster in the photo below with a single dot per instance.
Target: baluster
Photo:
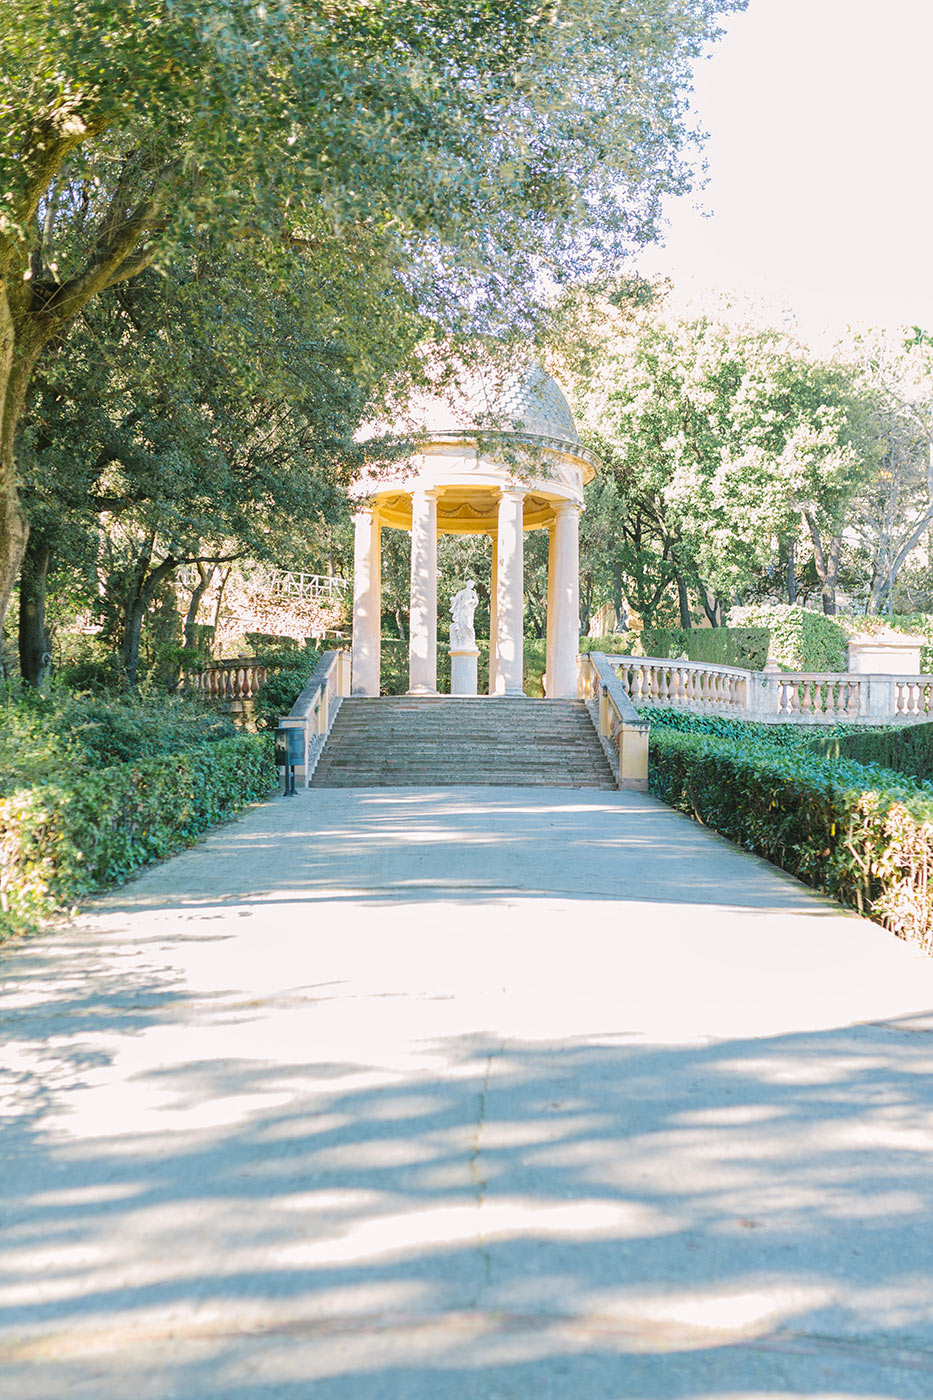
(663, 687)
(654, 684)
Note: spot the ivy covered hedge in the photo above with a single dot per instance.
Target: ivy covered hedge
(62, 840)
(723, 646)
(861, 833)
(801, 639)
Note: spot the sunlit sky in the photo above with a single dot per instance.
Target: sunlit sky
(820, 164)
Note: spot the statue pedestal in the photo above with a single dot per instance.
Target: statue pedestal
(463, 662)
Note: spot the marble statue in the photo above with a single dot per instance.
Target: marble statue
(462, 608)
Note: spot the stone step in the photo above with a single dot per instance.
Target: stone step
(405, 741)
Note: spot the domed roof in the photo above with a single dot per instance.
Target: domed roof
(523, 401)
(528, 401)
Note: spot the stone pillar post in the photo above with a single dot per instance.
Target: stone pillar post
(510, 560)
(565, 601)
(493, 613)
(367, 602)
(422, 645)
(551, 617)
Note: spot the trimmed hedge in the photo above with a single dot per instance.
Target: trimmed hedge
(722, 646)
(905, 750)
(862, 833)
(801, 638)
(62, 840)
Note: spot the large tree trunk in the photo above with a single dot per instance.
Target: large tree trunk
(219, 600)
(618, 598)
(712, 607)
(827, 564)
(35, 307)
(16, 366)
(34, 656)
(205, 574)
(138, 605)
(790, 568)
(683, 600)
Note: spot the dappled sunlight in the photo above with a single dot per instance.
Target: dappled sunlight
(410, 1141)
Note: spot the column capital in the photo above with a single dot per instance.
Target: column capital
(430, 493)
(564, 507)
(518, 492)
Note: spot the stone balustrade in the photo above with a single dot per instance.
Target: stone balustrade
(623, 732)
(316, 709)
(649, 680)
(226, 680)
(770, 696)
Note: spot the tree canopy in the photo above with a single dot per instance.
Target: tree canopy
(464, 156)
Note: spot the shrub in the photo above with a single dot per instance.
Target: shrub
(44, 736)
(801, 639)
(861, 833)
(62, 840)
(289, 670)
(723, 646)
(905, 750)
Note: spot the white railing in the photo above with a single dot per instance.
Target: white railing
(650, 680)
(807, 697)
(295, 585)
(316, 709)
(623, 732)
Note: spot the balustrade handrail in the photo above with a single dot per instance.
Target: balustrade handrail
(675, 661)
(316, 707)
(773, 694)
(624, 733)
(615, 691)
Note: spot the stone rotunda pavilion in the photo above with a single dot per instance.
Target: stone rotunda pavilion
(499, 458)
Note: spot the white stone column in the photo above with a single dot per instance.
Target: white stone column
(422, 645)
(493, 613)
(551, 581)
(565, 601)
(367, 602)
(510, 593)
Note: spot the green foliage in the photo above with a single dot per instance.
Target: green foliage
(611, 644)
(717, 439)
(64, 839)
(290, 665)
(801, 638)
(862, 833)
(43, 737)
(723, 646)
(719, 726)
(905, 750)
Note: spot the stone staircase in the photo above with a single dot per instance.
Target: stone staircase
(449, 741)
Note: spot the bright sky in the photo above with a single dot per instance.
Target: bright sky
(820, 156)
